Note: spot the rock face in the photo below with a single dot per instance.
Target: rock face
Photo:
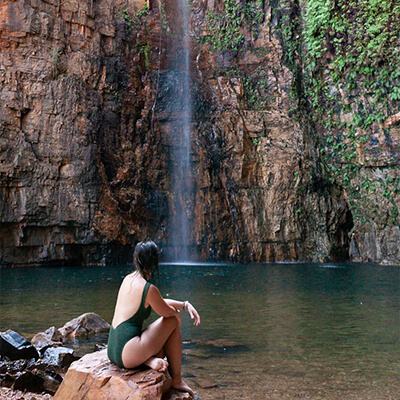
(86, 138)
(93, 377)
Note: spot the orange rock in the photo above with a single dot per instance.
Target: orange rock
(85, 324)
(94, 377)
(393, 120)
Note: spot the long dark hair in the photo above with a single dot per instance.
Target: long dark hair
(146, 258)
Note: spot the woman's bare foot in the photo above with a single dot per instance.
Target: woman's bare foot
(182, 387)
(156, 363)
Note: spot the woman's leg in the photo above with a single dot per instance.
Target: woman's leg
(173, 351)
(151, 342)
(162, 335)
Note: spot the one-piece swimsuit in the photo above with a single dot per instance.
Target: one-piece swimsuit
(125, 331)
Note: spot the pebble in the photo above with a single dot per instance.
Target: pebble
(9, 394)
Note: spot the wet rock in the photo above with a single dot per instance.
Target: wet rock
(15, 347)
(44, 374)
(50, 337)
(59, 356)
(6, 380)
(49, 383)
(85, 324)
(9, 394)
(94, 377)
(205, 383)
(176, 395)
(28, 380)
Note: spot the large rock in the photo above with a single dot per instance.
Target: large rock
(59, 356)
(50, 337)
(85, 324)
(94, 377)
(15, 347)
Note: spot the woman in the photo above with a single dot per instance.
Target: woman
(128, 345)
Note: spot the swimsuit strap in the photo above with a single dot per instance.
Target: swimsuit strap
(144, 294)
(141, 306)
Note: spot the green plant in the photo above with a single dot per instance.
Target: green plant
(350, 58)
(143, 12)
(129, 19)
(226, 27)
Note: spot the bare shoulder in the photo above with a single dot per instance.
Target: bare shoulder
(153, 291)
(153, 295)
(131, 286)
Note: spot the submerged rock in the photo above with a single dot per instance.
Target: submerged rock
(224, 346)
(85, 324)
(16, 347)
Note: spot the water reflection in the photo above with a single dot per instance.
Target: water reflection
(310, 329)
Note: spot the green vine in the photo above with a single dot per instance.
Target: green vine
(353, 85)
(226, 27)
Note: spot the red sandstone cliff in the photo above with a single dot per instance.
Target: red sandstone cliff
(86, 137)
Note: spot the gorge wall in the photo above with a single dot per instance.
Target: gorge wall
(295, 148)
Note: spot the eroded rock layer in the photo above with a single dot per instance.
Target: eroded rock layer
(86, 137)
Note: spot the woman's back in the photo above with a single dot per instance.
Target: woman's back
(129, 298)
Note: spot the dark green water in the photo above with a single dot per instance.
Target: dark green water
(287, 331)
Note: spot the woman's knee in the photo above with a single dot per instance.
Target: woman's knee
(171, 322)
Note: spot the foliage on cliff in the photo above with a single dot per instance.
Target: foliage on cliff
(347, 53)
(345, 58)
(353, 84)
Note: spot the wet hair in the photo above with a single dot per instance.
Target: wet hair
(145, 258)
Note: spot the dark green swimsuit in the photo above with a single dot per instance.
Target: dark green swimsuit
(126, 330)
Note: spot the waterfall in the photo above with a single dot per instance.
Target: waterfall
(181, 172)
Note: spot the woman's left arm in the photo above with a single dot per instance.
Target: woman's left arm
(185, 306)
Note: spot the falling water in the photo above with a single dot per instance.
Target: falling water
(181, 165)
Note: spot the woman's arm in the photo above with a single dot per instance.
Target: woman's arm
(178, 305)
(185, 306)
(159, 305)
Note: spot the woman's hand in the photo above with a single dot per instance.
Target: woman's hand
(193, 313)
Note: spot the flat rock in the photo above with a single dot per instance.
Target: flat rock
(205, 383)
(85, 324)
(94, 377)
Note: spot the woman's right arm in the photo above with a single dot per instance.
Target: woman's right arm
(159, 305)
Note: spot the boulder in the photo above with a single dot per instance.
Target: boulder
(29, 373)
(16, 347)
(94, 377)
(85, 324)
(59, 356)
(50, 337)
(28, 380)
(48, 382)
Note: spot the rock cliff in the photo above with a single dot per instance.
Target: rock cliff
(280, 171)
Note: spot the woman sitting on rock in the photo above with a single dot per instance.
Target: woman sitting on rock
(128, 345)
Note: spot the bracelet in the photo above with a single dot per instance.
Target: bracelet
(184, 307)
